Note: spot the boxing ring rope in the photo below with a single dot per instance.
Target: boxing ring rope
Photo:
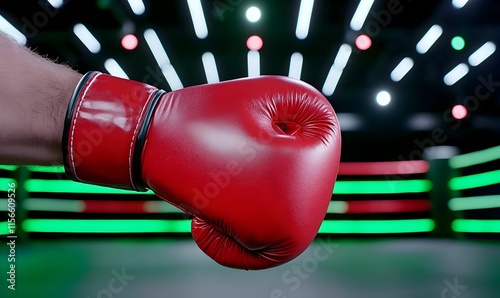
(476, 181)
(363, 188)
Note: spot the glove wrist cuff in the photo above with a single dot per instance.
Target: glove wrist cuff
(105, 129)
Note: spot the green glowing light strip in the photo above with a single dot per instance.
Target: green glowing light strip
(476, 225)
(475, 158)
(4, 230)
(107, 226)
(68, 186)
(341, 187)
(382, 187)
(474, 181)
(4, 183)
(377, 226)
(8, 168)
(34, 204)
(339, 207)
(474, 203)
(184, 226)
(46, 169)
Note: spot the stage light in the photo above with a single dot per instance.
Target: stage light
(296, 61)
(199, 23)
(336, 70)
(137, 6)
(359, 17)
(457, 43)
(456, 74)
(129, 42)
(210, 67)
(162, 59)
(156, 47)
(254, 43)
(10, 30)
(253, 14)
(304, 19)
(172, 77)
(383, 98)
(482, 53)
(429, 39)
(87, 38)
(253, 64)
(459, 3)
(363, 42)
(459, 112)
(114, 68)
(343, 56)
(56, 3)
(402, 69)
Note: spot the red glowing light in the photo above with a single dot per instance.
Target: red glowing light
(254, 43)
(459, 112)
(384, 168)
(363, 42)
(388, 206)
(129, 42)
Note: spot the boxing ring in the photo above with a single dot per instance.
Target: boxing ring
(420, 228)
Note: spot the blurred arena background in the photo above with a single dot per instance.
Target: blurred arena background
(415, 211)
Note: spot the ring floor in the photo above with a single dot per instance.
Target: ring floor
(388, 268)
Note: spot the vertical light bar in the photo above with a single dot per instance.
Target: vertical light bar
(137, 6)
(336, 70)
(162, 59)
(199, 23)
(332, 80)
(296, 61)
(56, 3)
(114, 68)
(87, 38)
(359, 17)
(401, 69)
(482, 53)
(173, 79)
(456, 74)
(429, 39)
(343, 56)
(253, 64)
(156, 47)
(210, 67)
(459, 3)
(11, 31)
(304, 19)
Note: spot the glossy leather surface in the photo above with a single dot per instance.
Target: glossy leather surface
(254, 161)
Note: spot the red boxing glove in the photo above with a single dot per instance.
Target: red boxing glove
(253, 161)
